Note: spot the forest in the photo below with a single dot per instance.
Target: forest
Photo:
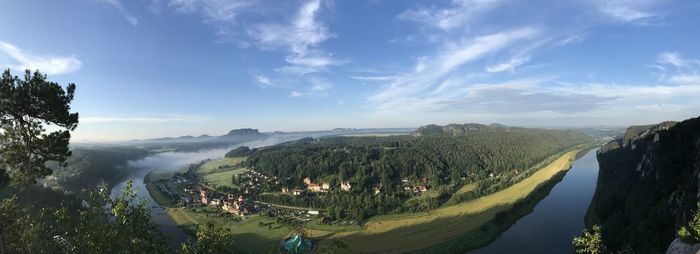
(647, 186)
(380, 169)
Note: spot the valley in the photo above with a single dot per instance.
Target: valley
(265, 223)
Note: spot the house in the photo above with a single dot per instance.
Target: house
(285, 190)
(345, 186)
(215, 202)
(307, 180)
(376, 190)
(241, 198)
(423, 188)
(424, 180)
(313, 212)
(314, 187)
(491, 175)
(231, 207)
(297, 192)
(203, 196)
(325, 186)
(404, 180)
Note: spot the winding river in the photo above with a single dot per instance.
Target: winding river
(556, 219)
(172, 161)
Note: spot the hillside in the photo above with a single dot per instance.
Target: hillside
(647, 185)
(385, 172)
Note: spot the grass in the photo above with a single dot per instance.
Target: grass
(416, 231)
(158, 196)
(462, 226)
(489, 231)
(467, 188)
(257, 234)
(219, 165)
(312, 225)
(223, 178)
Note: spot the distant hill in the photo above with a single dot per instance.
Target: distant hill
(647, 185)
(455, 129)
(233, 136)
(241, 135)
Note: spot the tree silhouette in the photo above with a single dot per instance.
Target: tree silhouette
(28, 108)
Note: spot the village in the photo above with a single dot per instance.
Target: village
(189, 190)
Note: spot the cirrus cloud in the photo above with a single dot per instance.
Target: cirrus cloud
(47, 64)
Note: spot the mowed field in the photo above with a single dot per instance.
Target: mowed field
(401, 233)
(416, 231)
(219, 165)
(223, 178)
(256, 234)
(220, 172)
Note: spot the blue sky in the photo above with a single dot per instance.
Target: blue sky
(151, 68)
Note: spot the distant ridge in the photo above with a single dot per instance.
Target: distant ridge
(233, 136)
(456, 129)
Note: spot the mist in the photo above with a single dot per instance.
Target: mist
(174, 161)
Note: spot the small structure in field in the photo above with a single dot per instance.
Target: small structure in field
(345, 186)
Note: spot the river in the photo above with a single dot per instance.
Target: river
(556, 219)
(172, 161)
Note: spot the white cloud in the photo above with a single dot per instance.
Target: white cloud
(315, 87)
(627, 10)
(263, 80)
(685, 79)
(574, 38)
(459, 14)
(301, 37)
(431, 70)
(120, 7)
(374, 78)
(295, 94)
(47, 64)
(674, 59)
(109, 119)
(687, 71)
(213, 10)
(660, 107)
(509, 66)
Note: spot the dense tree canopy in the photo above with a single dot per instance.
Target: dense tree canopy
(27, 107)
(491, 156)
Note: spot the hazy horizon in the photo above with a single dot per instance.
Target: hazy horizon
(169, 68)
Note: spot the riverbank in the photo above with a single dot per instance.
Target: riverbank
(418, 231)
(476, 222)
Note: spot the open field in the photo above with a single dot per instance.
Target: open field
(471, 220)
(157, 195)
(223, 178)
(256, 234)
(415, 231)
(467, 188)
(219, 165)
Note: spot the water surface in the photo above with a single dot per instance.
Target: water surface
(556, 219)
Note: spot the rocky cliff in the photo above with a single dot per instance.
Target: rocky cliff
(647, 185)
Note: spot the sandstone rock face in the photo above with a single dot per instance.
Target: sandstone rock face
(679, 247)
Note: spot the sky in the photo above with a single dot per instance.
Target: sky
(155, 68)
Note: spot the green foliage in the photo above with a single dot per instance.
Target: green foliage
(210, 240)
(691, 233)
(590, 242)
(27, 106)
(444, 160)
(125, 228)
(241, 151)
(647, 183)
